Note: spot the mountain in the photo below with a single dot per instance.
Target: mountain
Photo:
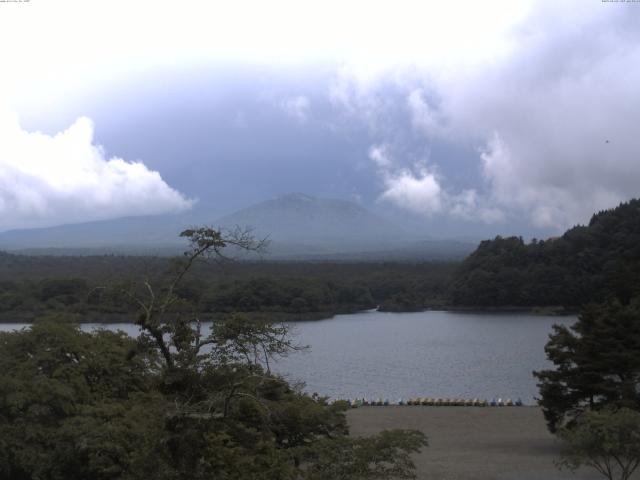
(302, 227)
(298, 227)
(120, 234)
(302, 219)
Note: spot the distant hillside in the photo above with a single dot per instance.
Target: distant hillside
(298, 226)
(119, 235)
(587, 263)
(304, 227)
(419, 251)
(299, 218)
(295, 223)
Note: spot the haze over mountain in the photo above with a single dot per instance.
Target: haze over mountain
(296, 225)
(301, 218)
(512, 118)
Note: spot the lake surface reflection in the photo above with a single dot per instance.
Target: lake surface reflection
(431, 354)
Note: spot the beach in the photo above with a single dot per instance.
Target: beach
(490, 443)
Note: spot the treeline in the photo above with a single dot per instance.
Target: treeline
(586, 264)
(32, 286)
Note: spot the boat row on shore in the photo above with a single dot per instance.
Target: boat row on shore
(437, 402)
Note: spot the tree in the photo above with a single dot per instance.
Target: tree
(384, 456)
(587, 263)
(160, 322)
(73, 405)
(606, 440)
(597, 363)
(176, 402)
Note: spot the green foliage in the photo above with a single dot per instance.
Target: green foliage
(240, 340)
(387, 455)
(606, 440)
(597, 363)
(77, 405)
(71, 401)
(34, 286)
(587, 263)
(176, 403)
(292, 295)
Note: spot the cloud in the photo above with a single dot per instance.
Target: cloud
(419, 189)
(419, 192)
(553, 116)
(380, 156)
(544, 92)
(415, 189)
(470, 206)
(424, 116)
(65, 178)
(297, 108)
(559, 118)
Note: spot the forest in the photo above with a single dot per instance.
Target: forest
(587, 263)
(32, 286)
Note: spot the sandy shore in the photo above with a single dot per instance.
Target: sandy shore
(473, 442)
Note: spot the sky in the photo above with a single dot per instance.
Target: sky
(464, 118)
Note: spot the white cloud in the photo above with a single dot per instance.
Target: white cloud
(468, 205)
(379, 154)
(62, 44)
(415, 189)
(424, 116)
(559, 118)
(419, 192)
(297, 108)
(554, 115)
(419, 189)
(48, 180)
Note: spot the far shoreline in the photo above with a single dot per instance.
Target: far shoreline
(282, 317)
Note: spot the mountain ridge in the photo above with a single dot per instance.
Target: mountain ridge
(297, 217)
(298, 226)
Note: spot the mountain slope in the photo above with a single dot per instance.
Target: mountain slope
(298, 226)
(299, 218)
(161, 230)
(587, 263)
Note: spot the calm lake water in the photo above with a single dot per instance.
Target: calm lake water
(430, 354)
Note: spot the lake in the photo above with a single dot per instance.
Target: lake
(427, 354)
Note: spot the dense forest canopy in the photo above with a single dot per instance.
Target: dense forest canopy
(31, 286)
(587, 263)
